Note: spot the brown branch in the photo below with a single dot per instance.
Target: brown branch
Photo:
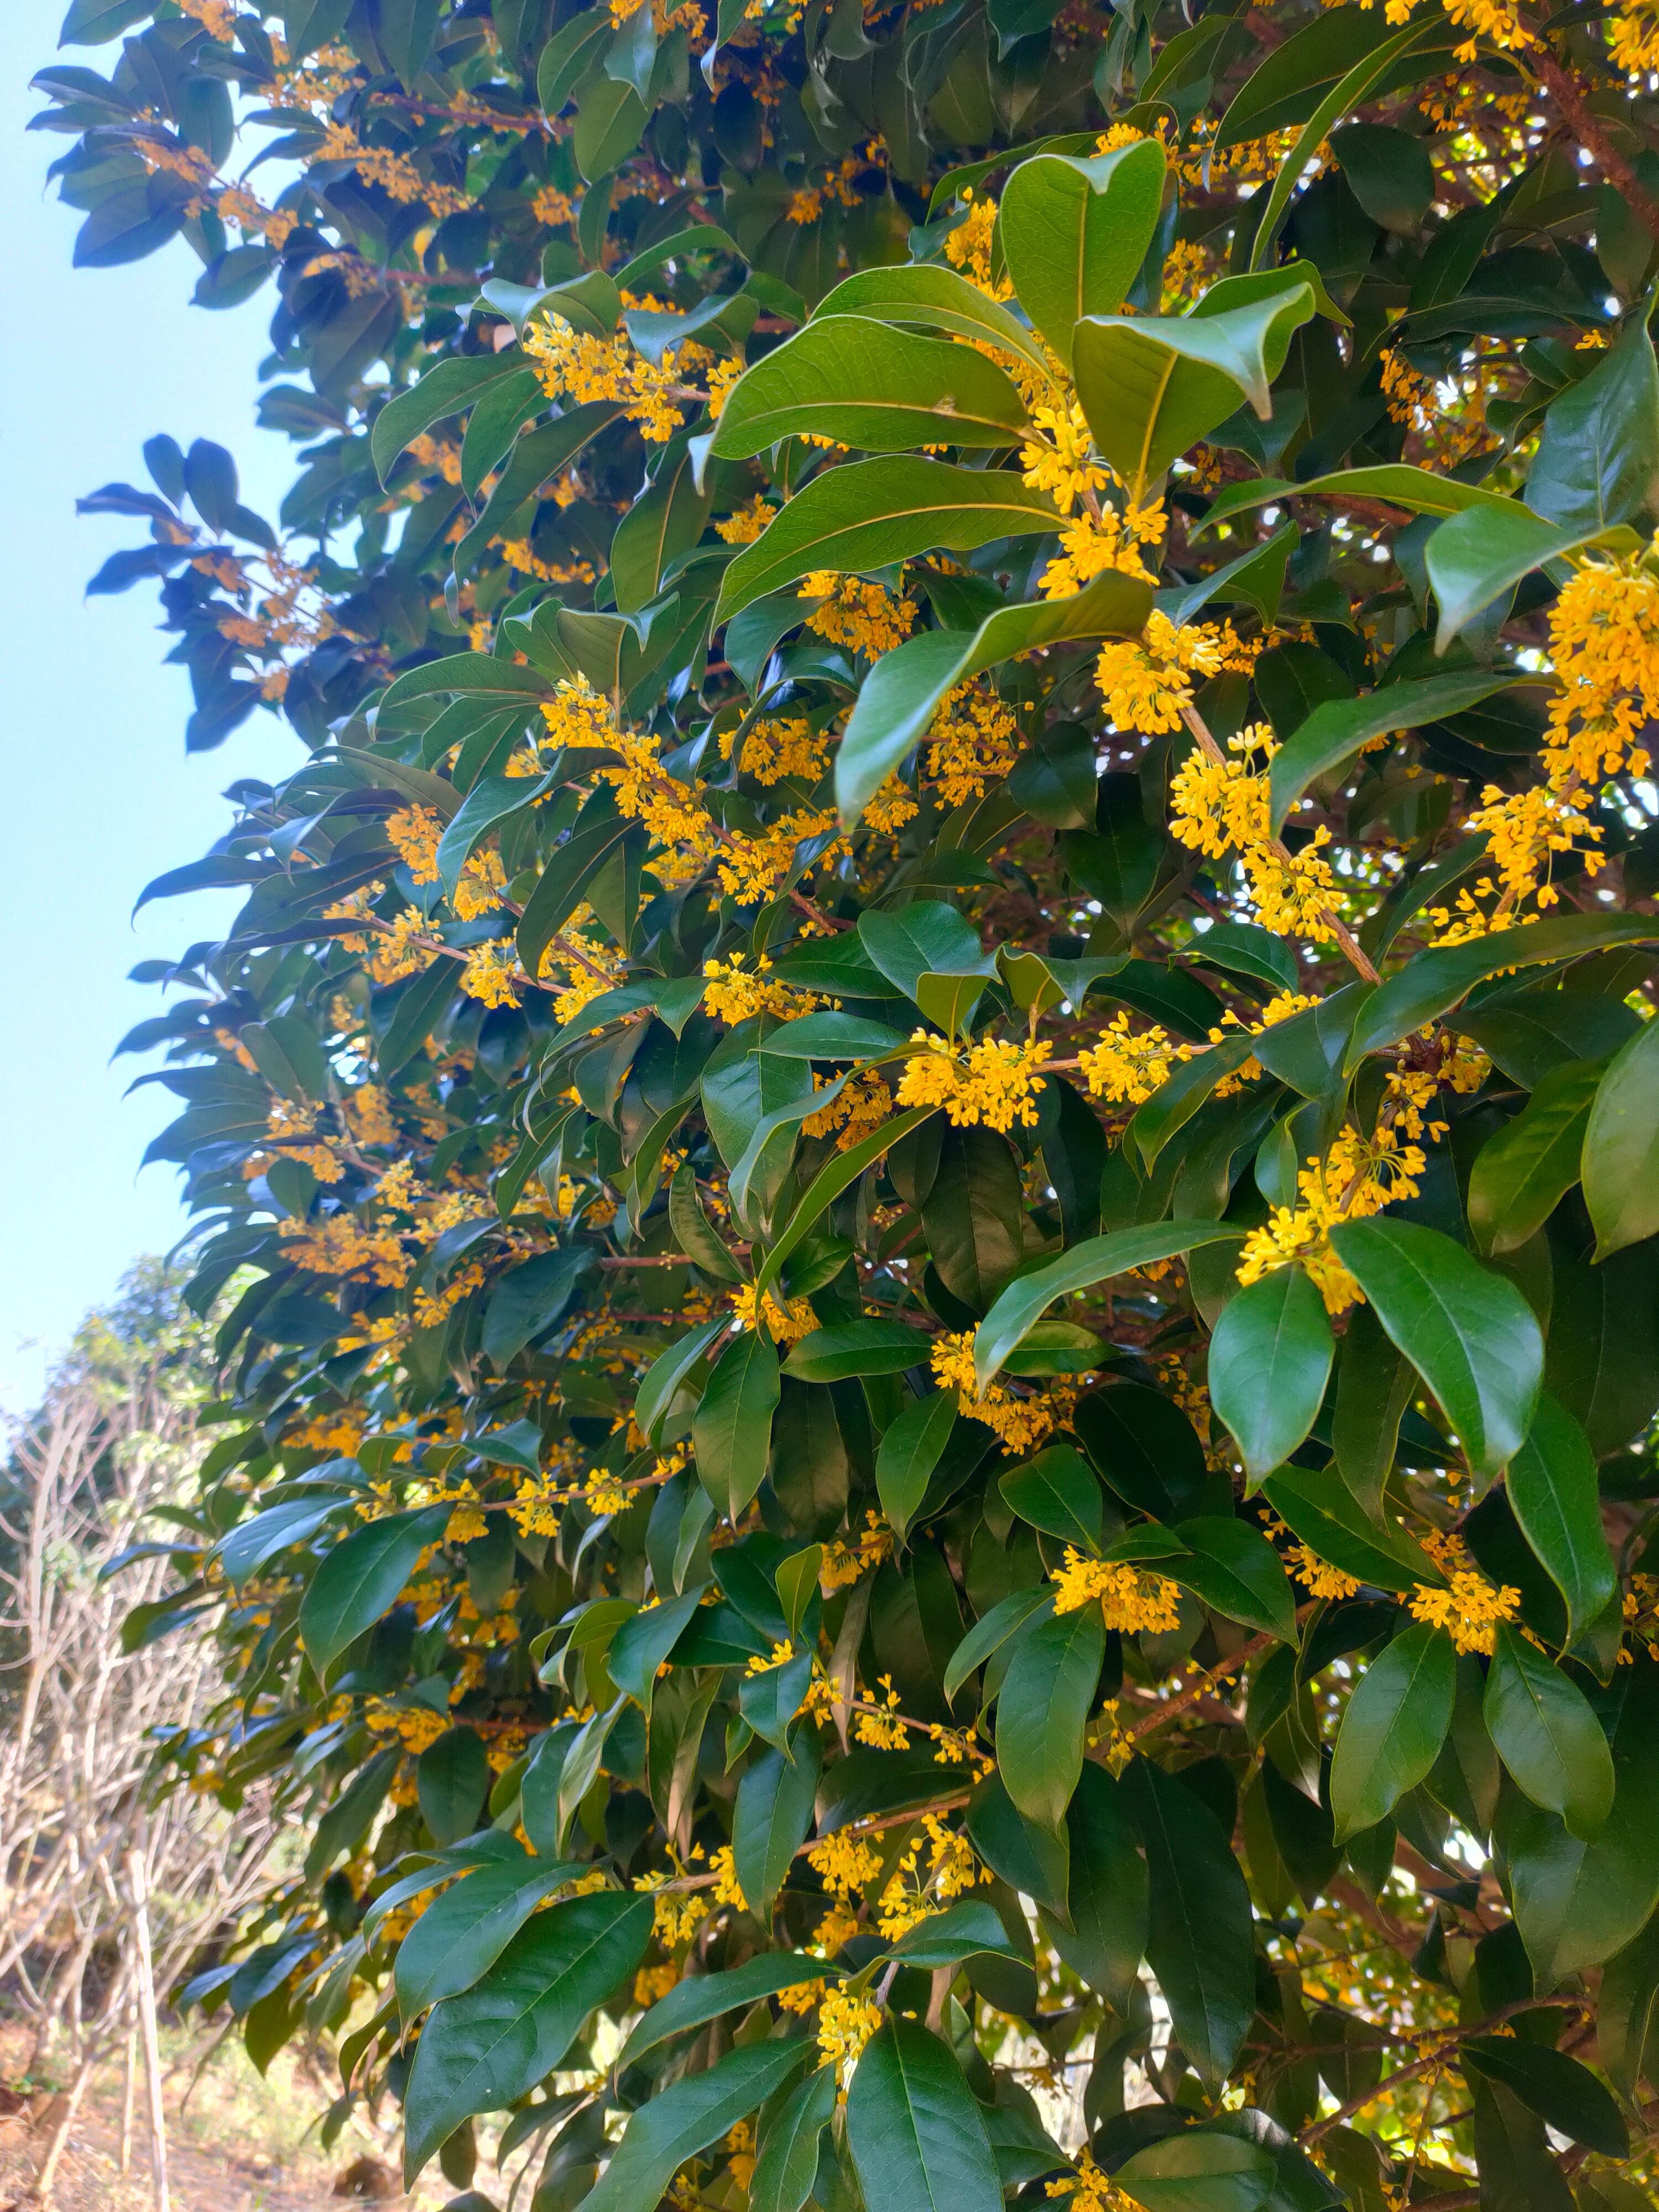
(1562, 89)
(1444, 2045)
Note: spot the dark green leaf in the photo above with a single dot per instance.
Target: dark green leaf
(1469, 1332)
(914, 2129)
(1270, 1359)
(1393, 1728)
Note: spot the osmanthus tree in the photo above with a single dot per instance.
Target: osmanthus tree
(931, 1142)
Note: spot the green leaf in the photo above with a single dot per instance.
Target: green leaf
(441, 392)
(702, 1998)
(1286, 86)
(363, 1578)
(936, 299)
(351, 1815)
(1565, 2095)
(1469, 1332)
(1420, 490)
(971, 1929)
(643, 1642)
(668, 1370)
(460, 1934)
(913, 2128)
(1232, 1568)
(1047, 1695)
(462, 676)
(1198, 2172)
(1393, 1728)
(484, 2049)
(686, 2117)
(1597, 462)
(1374, 1386)
(1322, 1515)
(452, 1777)
(491, 801)
(1151, 386)
(1057, 1492)
(1357, 86)
(857, 1347)
(988, 1634)
(1547, 1736)
(693, 1234)
(828, 1184)
(1107, 1895)
(924, 938)
(1336, 731)
(871, 385)
(1075, 233)
(733, 1426)
(1554, 1495)
(1096, 1260)
(869, 513)
(911, 1448)
(1621, 1147)
(1431, 983)
(1200, 1942)
(1627, 2012)
(529, 1299)
(896, 703)
(1512, 2154)
(789, 2162)
(773, 1819)
(1520, 1175)
(1481, 555)
(834, 1037)
(1270, 1359)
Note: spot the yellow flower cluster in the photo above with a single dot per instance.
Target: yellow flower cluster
(1469, 1608)
(676, 1918)
(865, 617)
(1604, 643)
(1128, 1065)
(1134, 1600)
(1145, 680)
(751, 868)
(481, 887)
(1633, 40)
(733, 992)
(1022, 1423)
(1222, 806)
(339, 1244)
(971, 743)
(1062, 463)
(580, 366)
(1360, 1175)
(399, 952)
(1092, 543)
(846, 2024)
(492, 973)
(785, 1324)
(994, 1082)
(968, 247)
(1090, 2190)
(856, 1113)
(415, 830)
(846, 1563)
(744, 525)
(775, 748)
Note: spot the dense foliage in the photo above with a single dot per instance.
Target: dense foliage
(932, 1140)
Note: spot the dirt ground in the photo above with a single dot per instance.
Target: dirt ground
(235, 2143)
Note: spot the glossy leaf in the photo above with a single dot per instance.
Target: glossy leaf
(1547, 1736)
(1469, 1332)
(1393, 1728)
(1270, 1359)
(913, 2128)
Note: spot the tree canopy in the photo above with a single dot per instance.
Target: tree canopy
(928, 1152)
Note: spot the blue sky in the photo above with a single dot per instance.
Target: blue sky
(99, 794)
